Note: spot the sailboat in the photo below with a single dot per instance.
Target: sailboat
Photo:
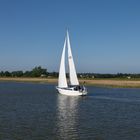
(72, 88)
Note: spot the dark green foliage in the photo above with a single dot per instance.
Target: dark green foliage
(2, 74)
(53, 74)
(38, 72)
(98, 75)
(7, 74)
(41, 72)
(27, 74)
(35, 72)
(17, 73)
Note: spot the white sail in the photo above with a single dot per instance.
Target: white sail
(62, 81)
(72, 70)
(63, 88)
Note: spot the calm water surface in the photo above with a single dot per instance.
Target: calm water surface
(36, 112)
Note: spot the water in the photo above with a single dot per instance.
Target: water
(36, 112)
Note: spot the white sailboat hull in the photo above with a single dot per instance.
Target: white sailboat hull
(70, 92)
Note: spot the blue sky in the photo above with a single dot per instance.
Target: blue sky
(104, 34)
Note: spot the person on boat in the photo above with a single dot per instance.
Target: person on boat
(80, 88)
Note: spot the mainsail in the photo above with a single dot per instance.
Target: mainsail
(62, 81)
(72, 70)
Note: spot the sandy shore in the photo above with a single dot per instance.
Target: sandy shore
(100, 82)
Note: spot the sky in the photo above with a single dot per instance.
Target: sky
(104, 34)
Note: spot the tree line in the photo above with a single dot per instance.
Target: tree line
(118, 75)
(35, 72)
(42, 72)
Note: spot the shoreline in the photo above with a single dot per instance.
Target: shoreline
(94, 82)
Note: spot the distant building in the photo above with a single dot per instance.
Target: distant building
(128, 77)
(43, 75)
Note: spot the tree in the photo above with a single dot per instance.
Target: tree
(2, 74)
(7, 74)
(27, 74)
(17, 73)
(38, 71)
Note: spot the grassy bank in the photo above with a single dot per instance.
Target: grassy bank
(125, 83)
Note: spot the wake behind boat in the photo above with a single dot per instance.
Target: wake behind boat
(72, 89)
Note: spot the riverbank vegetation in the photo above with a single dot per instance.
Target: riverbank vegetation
(41, 75)
(42, 72)
(35, 72)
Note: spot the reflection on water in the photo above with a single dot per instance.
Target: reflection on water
(67, 115)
